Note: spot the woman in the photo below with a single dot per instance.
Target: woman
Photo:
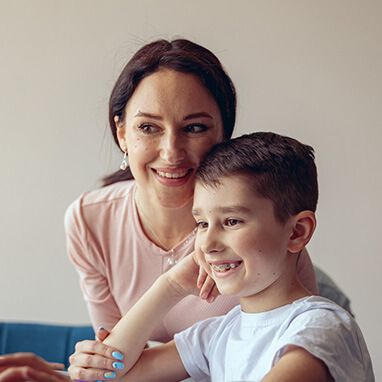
(172, 102)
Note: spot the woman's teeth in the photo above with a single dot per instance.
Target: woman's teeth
(224, 267)
(172, 175)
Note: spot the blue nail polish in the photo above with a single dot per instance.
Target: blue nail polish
(109, 375)
(118, 365)
(117, 355)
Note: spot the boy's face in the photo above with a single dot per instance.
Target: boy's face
(245, 246)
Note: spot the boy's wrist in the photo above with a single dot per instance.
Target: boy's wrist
(173, 290)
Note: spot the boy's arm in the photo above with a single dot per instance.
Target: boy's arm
(298, 365)
(158, 364)
(132, 332)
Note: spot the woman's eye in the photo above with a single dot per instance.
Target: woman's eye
(201, 225)
(232, 222)
(148, 128)
(195, 128)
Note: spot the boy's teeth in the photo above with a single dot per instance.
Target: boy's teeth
(224, 267)
(172, 175)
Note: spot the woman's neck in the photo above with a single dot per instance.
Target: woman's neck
(166, 227)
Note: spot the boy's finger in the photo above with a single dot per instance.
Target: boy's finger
(201, 277)
(207, 287)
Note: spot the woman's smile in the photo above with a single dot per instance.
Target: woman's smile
(173, 177)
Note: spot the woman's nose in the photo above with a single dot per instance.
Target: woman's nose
(173, 149)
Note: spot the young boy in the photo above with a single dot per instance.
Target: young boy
(254, 204)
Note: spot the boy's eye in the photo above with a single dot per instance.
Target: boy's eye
(232, 222)
(195, 128)
(148, 128)
(201, 224)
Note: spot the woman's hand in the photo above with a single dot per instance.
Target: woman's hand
(20, 367)
(93, 360)
(91, 353)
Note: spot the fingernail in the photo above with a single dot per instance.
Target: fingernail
(109, 374)
(204, 295)
(117, 355)
(211, 299)
(118, 365)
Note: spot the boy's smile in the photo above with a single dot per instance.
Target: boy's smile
(244, 244)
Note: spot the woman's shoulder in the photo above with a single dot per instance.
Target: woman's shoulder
(99, 201)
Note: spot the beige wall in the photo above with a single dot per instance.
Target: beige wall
(310, 69)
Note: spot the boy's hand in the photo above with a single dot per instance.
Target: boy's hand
(188, 277)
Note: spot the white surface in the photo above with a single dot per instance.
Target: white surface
(310, 69)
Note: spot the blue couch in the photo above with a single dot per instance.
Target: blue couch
(55, 343)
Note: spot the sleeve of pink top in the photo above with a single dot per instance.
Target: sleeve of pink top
(306, 272)
(90, 266)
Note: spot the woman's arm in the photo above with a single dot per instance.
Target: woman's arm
(90, 266)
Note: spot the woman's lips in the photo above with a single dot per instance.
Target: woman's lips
(173, 177)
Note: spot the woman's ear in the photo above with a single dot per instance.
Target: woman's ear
(303, 226)
(120, 126)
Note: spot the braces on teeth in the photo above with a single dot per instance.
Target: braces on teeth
(224, 267)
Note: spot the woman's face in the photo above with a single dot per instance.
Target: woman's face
(171, 121)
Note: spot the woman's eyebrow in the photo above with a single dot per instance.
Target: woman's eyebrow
(147, 115)
(201, 114)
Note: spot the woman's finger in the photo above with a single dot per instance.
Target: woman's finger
(102, 334)
(90, 374)
(96, 347)
(95, 361)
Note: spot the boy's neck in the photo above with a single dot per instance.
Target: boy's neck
(282, 292)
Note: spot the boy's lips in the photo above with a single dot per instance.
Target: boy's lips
(224, 266)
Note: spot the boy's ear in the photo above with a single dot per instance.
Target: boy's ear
(120, 132)
(303, 226)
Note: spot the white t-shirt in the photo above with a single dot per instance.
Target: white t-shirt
(245, 346)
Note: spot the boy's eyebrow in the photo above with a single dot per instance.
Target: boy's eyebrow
(225, 210)
(238, 208)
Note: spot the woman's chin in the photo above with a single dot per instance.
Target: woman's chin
(178, 203)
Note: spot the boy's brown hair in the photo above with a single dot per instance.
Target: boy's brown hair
(282, 169)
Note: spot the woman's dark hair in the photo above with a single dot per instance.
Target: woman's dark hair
(180, 55)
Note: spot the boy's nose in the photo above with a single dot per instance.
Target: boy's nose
(211, 243)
